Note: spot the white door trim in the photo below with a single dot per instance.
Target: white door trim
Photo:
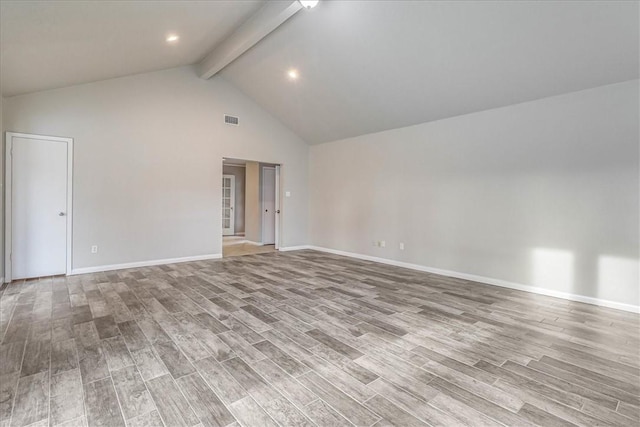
(8, 188)
(232, 204)
(277, 240)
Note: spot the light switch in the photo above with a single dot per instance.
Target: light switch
(287, 194)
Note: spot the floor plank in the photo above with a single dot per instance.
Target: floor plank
(249, 413)
(171, 403)
(31, 400)
(206, 404)
(102, 404)
(132, 392)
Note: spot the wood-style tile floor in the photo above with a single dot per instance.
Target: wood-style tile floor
(305, 338)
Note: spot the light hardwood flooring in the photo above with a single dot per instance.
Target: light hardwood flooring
(238, 246)
(306, 338)
(240, 249)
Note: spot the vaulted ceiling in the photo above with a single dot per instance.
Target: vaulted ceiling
(51, 44)
(364, 66)
(367, 66)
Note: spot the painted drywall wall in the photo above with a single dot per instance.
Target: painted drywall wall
(544, 193)
(148, 161)
(238, 208)
(2, 160)
(253, 216)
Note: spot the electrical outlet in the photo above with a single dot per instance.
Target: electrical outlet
(383, 243)
(94, 249)
(402, 246)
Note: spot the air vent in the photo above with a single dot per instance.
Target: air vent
(230, 120)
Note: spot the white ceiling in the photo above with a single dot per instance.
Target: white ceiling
(51, 44)
(368, 66)
(365, 66)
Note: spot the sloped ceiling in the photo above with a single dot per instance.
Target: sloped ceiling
(368, 66)
(51, 44)
(365, 66)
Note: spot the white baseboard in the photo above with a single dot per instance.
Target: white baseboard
(100, 268)
(486, 280)
(294, 248)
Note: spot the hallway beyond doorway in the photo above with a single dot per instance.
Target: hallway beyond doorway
(237, 246)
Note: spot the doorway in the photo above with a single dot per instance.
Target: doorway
(250, 207)
(38, 206)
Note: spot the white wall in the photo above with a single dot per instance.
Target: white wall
(544, 193)
(148, 161)
(2, 160)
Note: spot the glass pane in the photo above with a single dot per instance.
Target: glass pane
(226, 223)
(226, 203)
(227, 192)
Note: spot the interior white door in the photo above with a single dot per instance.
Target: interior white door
(268, 205)
(228, 202)
(38, 207)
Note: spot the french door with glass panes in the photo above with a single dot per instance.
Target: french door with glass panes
(228, 202)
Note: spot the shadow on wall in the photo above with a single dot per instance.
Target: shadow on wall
(555, 269)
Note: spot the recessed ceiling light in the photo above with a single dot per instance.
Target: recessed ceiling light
(308, 3)
(172, 38)
(293, 74)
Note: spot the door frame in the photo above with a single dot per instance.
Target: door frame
(232, 203)
(276, 204)
(277, 230)
(8, 247)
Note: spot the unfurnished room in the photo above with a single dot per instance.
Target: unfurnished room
(326, 213)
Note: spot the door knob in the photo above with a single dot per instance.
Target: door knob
(278, 211)
(61, 214)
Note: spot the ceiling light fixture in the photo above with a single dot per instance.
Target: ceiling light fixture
(308, 4)
(172, 38)
(293, 74)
